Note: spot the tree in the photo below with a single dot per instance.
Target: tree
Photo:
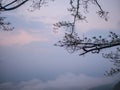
(71, 41)
(11, 5)
(115, 58)
(117, 86)
(8, 5)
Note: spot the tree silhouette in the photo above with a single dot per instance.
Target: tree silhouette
(117, 86)
(4, 25)
(115, 58)
(11, 5)
(71, 41)
(8, 5)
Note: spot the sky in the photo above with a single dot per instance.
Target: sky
(30, 61)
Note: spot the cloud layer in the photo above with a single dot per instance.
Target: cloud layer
(64, 82)
(54, 13)
(22, 37)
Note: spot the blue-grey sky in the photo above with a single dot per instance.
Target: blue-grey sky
(30, 61)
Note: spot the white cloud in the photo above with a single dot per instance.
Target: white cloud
(64, 82)
(22, 37)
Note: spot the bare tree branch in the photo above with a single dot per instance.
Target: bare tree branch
(86, 45)
(113, 57)
(11, 5)
(71, 41)
(14, 4)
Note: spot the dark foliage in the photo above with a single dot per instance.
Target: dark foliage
(5, 25)
(117, 86)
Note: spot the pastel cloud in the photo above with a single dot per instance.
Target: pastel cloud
(20, 38)
(49, 15)
(64, 82)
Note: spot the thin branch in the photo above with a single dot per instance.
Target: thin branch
(4, 8)
(96, 48)
(12, 8)
(10, 3)
(86, 45)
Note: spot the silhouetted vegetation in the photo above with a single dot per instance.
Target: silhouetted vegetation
(115, 58)
(4, 25)
(71, 41)
(8, 5)
(117, 86)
